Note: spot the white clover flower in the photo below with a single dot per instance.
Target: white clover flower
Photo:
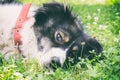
(13, 65)
(96, 19)
(19, 75)
(98, 9)
(116, 39)
(117, 13)
(89, 17)
(94, 23)
(88, 26)
(102, 27)
(83, 43)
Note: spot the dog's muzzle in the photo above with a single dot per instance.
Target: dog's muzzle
(58, 60)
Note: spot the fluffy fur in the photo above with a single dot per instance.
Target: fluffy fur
(51, 35)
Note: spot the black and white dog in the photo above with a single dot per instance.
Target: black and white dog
(51, 34)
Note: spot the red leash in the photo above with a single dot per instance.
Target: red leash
(19, 25)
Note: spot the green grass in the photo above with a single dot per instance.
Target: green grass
(101, 21)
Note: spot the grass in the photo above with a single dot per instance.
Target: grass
(101, 21)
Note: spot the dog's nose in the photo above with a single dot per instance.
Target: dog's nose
(55, 62)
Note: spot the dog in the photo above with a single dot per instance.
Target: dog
(51, 34)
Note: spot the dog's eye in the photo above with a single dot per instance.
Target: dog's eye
(61, 37)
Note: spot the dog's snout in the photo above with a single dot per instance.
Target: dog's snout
(55, 62)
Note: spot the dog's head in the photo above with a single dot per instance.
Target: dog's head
(60, 35)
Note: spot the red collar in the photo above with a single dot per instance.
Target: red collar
(19, 24)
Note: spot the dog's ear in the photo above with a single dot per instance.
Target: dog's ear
(55, 11)
(44, 12)
(92, 45)
(40, 17)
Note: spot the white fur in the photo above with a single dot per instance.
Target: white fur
(8, 18)
(46, 58)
